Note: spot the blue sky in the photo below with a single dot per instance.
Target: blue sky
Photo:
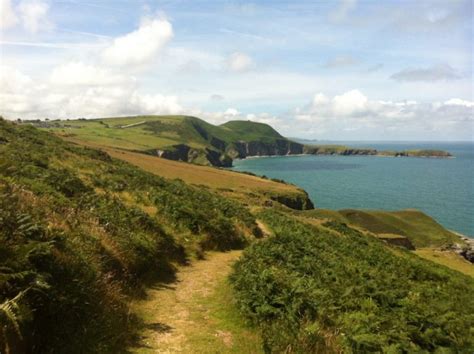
(394, 70)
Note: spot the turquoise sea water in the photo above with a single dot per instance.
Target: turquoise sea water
(442, 188)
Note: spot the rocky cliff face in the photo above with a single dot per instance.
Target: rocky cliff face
(182, 152)
(298, 201)
(243, 149)
(223, 154)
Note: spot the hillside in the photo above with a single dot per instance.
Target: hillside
(420, 229)
(83, 235)
(80, 233)
(182, 138)
(190, 139)
(332, 289)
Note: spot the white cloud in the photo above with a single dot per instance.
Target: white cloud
(139, 47)
(8, 17)
(353, 111)
(12, 80)
(22, 97)
(78, 73)
(34, 15)
(459, 102)
(319, 99)
(231, 112)
(239, 62)
(155, 104)
(349, 103)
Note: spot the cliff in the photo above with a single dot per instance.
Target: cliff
(243, 149)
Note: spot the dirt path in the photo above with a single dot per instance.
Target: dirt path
(192, 315)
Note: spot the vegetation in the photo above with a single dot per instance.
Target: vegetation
(190, 139)
(416, 153)
(419, 228)
(448, 259)
(332, 289)
(83, 231)
(79, 233)
(337, 150)
(345, 150)
(183, 138)
(244, 186)
(203, 298)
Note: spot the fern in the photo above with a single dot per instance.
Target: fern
(10, 318)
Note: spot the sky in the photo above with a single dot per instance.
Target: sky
(329, 70)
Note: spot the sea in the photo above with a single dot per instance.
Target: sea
(442, 188)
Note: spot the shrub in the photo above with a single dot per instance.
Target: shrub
(310, 290)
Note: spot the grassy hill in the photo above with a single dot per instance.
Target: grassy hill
(332, 289)
(80, 233)
(183, 138)
(84, 231)
(190, 139)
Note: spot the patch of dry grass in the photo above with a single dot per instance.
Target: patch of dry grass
(448, 259)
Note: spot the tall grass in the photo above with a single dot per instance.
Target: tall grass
(80, 233)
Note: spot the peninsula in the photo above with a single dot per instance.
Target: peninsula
(190, 139)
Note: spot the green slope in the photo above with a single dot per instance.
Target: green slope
(182, 138)
(419, 228)
(81, 232)
(191, 139)
(332, 289)
(248, 131)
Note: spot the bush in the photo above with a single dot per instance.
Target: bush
(312, 291)
(79, 233)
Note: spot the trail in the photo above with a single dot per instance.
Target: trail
(192, 315)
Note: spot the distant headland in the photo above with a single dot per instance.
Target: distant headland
(190, 139)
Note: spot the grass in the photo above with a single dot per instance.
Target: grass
(80, 232)
(150, 133)
(313, 291)
(236, 333)
(196, 313)
(202, 175)
(239, 185)
(448, 259)
(419, 228)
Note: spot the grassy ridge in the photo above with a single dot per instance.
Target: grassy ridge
(191, 139)
(79, 233)
(239, 185)
(182, 138)
(419, 228)
(313, 290)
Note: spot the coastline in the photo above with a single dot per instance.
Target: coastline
(346, 155)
